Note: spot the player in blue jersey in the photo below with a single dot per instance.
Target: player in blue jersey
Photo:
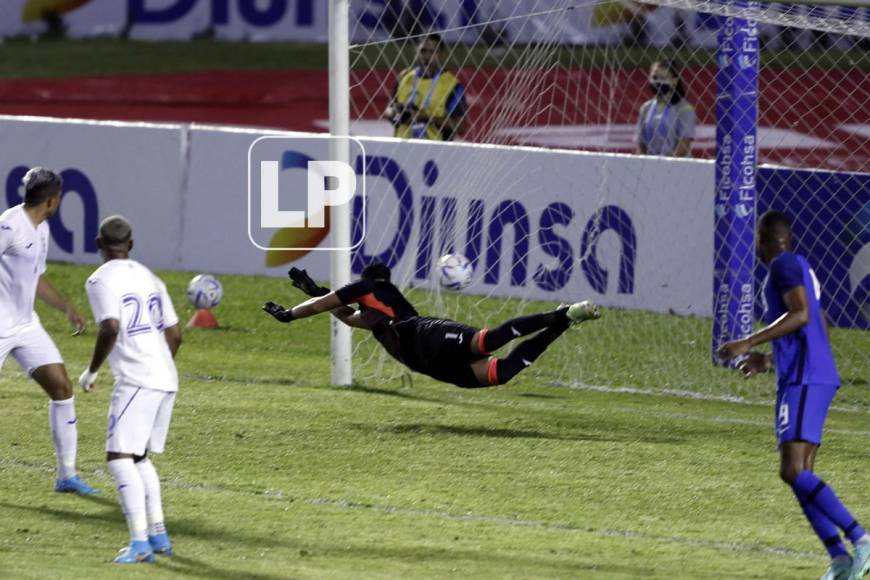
(807, 381)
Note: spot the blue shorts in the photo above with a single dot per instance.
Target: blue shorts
(801, 411)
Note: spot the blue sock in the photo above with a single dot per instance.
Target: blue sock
(812, 491)
(826, 531)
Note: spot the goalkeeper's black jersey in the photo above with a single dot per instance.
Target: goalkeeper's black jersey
(435, 347)
(381, 306)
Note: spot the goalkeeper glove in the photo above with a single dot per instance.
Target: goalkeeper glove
(303, 281)
(280, 313)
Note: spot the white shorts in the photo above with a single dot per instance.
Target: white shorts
(31, 347)
(139, 420)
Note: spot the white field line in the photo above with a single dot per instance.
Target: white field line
(740, 421)
(684, 394)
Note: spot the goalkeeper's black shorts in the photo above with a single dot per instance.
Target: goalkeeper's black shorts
(439, 348)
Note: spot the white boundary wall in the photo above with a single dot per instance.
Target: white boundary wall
(184, 187)
(306, 20)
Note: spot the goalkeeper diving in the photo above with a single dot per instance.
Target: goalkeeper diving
(445, 350)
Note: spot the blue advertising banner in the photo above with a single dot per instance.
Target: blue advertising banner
(831, 213)
(736, 166)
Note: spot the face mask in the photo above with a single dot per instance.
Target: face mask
(661, 88)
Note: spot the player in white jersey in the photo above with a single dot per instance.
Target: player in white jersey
(23, 249)
(139, 334)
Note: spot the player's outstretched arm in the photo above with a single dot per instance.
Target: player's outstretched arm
(47, 293)
(311, 307)
(107, 335)
(317, 305)
(306, 284)
(349, 316)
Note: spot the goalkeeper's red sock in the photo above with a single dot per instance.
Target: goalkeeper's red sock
(504, 369)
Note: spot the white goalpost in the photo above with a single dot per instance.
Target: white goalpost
(340, 217)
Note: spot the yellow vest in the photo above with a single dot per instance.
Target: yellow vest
(429, 99)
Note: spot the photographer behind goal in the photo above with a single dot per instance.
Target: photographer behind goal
(428, 101)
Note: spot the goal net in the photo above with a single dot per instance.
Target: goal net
(541, 186)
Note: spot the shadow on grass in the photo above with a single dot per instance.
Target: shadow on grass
(284, 382)
(109, 515)
(320, 554)
(177, 527)
(320, 557)
(223, 329)
(99, 499)
(192, 567)
(447, 400)
(854, 381)
(540, 396)
(464, 431)
(366, 390)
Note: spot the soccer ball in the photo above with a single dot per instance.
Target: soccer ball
(454, 271)
(204, 291)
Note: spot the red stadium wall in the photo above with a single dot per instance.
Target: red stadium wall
(814, 118)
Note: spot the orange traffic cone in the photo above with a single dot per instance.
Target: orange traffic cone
(203, 318)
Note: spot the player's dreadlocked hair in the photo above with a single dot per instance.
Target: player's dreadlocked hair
(376, 271)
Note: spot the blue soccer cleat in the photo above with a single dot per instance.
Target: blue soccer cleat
(860, 561)
(135, 553)
(74, 484)
(161, 544)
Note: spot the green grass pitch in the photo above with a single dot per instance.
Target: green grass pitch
(270, 472)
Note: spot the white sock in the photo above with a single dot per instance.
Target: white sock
(64, 433)
(131, 495)
(844, 559)
(865, 539)
(153, 503)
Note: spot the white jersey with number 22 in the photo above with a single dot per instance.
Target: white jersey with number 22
(127, 291)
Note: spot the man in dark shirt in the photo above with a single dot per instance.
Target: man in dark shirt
(445, 350)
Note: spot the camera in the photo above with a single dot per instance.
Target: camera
(404, 115)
